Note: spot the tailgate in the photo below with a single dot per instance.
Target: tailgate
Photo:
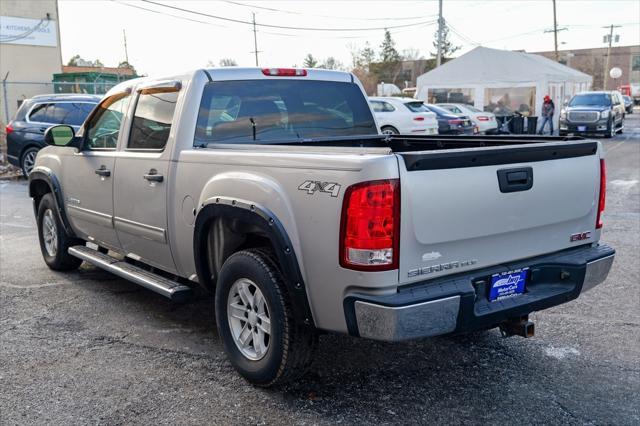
(457, 216)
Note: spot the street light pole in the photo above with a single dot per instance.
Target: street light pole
(439, 55)
(255, 38)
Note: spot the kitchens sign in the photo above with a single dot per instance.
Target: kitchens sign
(33, 32)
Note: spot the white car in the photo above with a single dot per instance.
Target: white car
(403, 115)
(486, 121)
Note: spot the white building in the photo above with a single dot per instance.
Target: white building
(501, 81)
(29, 50)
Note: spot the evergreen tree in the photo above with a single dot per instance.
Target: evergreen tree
(388, 52)
(448, 49)
(309, 61)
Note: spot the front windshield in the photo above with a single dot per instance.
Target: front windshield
(591, 99)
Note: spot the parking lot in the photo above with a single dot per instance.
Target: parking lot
(88, 347)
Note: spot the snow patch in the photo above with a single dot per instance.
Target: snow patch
(624, 184)
(561, 353)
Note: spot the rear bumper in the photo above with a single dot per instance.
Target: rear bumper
(459, 303)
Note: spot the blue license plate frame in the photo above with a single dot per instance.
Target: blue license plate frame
(508, 284)
(582, 128)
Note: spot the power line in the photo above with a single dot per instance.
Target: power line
(240, 21)
(271, 9)
(169, 14)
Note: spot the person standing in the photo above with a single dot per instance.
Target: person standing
(548, 109)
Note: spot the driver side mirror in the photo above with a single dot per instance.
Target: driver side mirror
(61, 135)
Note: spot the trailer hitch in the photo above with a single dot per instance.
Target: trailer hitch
(520, 326)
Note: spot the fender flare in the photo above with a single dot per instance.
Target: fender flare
(45, 175)
(271, 226)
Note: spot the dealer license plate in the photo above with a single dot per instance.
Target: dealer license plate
(507, 284)
(582, 128)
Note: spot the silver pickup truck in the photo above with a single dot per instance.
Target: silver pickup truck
(274, 190)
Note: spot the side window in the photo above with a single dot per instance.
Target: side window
(73, 113)
(376, 106)
(387, 107)
(456, 110)
(103, 129)
(41, 113)
(152, 119)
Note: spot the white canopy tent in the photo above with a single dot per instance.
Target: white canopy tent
(502, 81)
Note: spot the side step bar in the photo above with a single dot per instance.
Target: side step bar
(171, 289)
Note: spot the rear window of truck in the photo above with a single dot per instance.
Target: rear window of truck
(270, 111)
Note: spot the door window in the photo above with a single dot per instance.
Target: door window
(104, 126)
(152, 120)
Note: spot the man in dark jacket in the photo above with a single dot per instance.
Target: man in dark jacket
(548, 108)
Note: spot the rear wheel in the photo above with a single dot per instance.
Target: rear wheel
(28, 160)
(390, 130)
(255, 322)
(54, 242)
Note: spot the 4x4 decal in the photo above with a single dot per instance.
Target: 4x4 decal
(312, 186)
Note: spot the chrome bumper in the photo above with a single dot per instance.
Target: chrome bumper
(596, 272)
(460, 307)
(407, 322)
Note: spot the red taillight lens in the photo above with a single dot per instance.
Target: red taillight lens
(483, 118)
(284, 72)
(370, 226)
(455, 121)
(418, 118)
(603, 193)
(8, 129)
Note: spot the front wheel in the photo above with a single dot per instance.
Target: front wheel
(255, 321)
(611, 131)
(54, 242)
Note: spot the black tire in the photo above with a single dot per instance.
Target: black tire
(611, 130)
(562, 134)
(27, 160)
(56, 257)
(389, 130)
(291, 345)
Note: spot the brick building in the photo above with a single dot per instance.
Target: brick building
(592, 62)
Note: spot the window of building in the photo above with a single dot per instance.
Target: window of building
(451, 96)
(104, 126)
(152, 120)
(507, 100)
(635, 63)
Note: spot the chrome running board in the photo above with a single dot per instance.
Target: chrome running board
(173, 290)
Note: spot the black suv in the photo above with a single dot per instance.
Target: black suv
(593, 112)
(25, 132)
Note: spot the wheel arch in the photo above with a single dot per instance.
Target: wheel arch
(262, 226)
(43, 181)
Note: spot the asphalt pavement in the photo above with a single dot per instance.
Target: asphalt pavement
(88, 347)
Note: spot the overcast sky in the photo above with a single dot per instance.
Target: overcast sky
(159, 43)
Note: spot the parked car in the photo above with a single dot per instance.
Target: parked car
(450, 123)
(403, 115)
(592, 113)
(273, 189)
(484, 121)
(628, 104)
(25, 132)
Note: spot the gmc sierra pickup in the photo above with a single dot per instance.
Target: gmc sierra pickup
(275, 190)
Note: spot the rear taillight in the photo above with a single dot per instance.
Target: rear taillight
(370, 226)
(8, 129)
(603, 193)
(418, 118)
(284, 72)
(483, 118)
(456, 121)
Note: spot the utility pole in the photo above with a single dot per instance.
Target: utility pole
(440, 27)
(606, 66)
(255, 38)
(555, 32)
(126, 53)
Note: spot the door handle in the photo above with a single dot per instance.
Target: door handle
(514, 180)
(153, 176)
(103, 171)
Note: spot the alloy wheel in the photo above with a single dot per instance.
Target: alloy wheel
(249, 320)
(50, 233)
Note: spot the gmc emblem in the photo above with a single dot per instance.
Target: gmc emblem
(580, 236)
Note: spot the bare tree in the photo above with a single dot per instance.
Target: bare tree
(228, 62)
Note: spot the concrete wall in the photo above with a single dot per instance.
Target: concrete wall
(28, 63)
